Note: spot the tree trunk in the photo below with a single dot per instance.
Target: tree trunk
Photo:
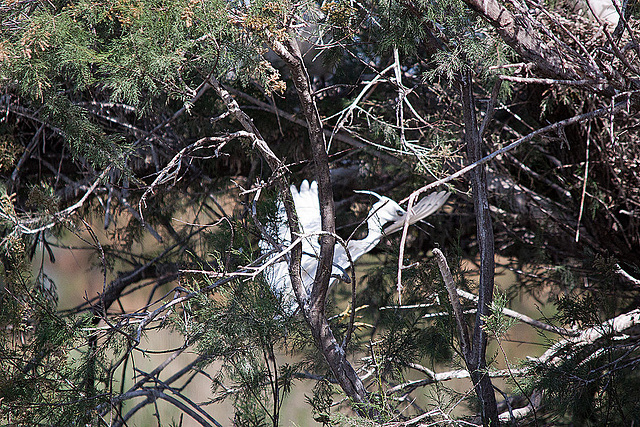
(476, 361)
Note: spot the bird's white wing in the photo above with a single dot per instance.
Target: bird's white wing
(420, 210)
(308, 210)
(307, 206)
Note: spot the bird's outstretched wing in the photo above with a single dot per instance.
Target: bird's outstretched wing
(420, 210)
(307, 207)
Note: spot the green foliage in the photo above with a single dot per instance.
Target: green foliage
(601, 301)
(244, 327)
(42, 383)
(139, 53)
(470, 44)
(400, 28)
(579, 310)
(588, 386)
(43, 199)
(384, 131)
(449, 65)
(499, 323)
(321, 401)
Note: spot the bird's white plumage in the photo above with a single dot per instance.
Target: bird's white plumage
(420, 210)
(307, 206)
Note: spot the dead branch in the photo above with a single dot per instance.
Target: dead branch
(171, 170)
(550, 128)
(461, 324)
(523, 317)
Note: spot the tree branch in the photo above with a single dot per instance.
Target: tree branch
(554, 127)
(314, 312)
(461, 324)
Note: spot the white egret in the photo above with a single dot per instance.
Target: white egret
(307, 206)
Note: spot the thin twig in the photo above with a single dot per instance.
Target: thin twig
(552, 127)
(347, 112)
(327, 133)
(584, 183)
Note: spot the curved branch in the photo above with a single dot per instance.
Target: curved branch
(314, 312)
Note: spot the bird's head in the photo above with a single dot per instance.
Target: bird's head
(384, 210)
(387, 210)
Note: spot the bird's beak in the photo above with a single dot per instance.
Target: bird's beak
(368, 192)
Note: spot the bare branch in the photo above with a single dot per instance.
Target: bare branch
(438, 377)
(616, 326)
(626, 276)
(461, 324)
(491, 108)
(550, 128)
(536, 80)
(523, 317)
(526, 41)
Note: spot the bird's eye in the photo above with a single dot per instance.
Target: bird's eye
(399, 213)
